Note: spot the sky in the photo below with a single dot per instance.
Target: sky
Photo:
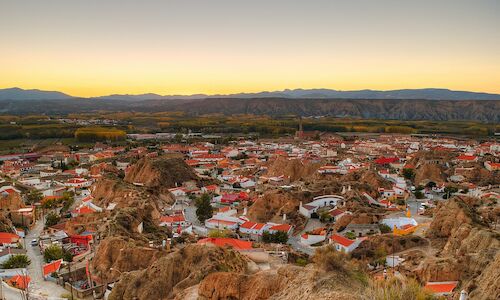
(96, 47)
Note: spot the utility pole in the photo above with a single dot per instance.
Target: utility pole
(1, 289)
(70, 280)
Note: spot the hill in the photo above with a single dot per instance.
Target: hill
(432, 110)
(425, 93)
(20, 94)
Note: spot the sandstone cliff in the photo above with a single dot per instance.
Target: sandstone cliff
(160, 173)
(470, 251)
(295, 169)
(177, 271)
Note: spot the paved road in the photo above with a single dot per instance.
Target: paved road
(38, 285)
(294, 241)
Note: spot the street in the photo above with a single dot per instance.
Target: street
(38, 285)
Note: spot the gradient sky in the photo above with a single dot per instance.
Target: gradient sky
(96, 47)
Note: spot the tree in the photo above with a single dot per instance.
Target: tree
(325, 217)
(68, 199)
(409, 174)
(17, 261)
(204, 210)
(431, 184)
(53, 252)
(350, 235)
(419, 195)
(384, 228)
(52, 219)
(448, 191)
(279, 237)
(34, 196)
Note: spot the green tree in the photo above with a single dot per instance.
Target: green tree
(52, 219)
(17, 261)
(325, 217)
(204, 210)
(384, 228)
(279, 237)
(68, 199)
(34, 196)
(350, 235)
(448, 191)
(419, 195)
(53, 252)
(409, 174)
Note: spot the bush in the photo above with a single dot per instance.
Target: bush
(17, 261)
(384, 228)
(350, 235)
(329, 259)
(302, 262)
(219, 233)
(396, 289)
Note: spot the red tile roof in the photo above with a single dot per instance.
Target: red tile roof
(172, 219)
(51, 267)
(441, 287)
(466, 157)
(225, 242)
(8, 238)
(281, 227)
(386, 160)
(342, 240)
(20, 282)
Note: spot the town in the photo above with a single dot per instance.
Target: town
(109, 220)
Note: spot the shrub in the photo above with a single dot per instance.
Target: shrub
(384, 228)
(302, 262)
(329, 259)
(396, 289)
(350, 235)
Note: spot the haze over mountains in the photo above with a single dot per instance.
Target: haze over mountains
(426, 94)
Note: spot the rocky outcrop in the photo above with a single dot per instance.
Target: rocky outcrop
(295, 169)
(111, 189)
(178, 271)
(122, 256)
(470, 252)
(387, 244)
(274, 204)
(5, 224)
(289, 282)
(160, 173)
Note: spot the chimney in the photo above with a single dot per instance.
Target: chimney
(284, 217)
(245, 210)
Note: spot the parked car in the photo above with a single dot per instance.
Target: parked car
(34, 242)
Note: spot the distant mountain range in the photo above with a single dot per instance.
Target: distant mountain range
(424, 94)
(20, 94)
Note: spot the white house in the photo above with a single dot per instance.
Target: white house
(344, 244)
(321, 201)
(311, 239)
